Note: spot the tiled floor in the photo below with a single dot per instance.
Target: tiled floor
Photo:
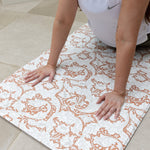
(25, 32)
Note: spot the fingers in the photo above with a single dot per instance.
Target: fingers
(30, 75)
(112, 103)
(105, 110)
(117, 112)
(51, 77)
(109, 113)
(40, 73)
(100, 99)
(30, 72)
(101, 108)
(38, 80)
(32, 78)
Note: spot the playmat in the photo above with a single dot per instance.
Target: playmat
(61, 114)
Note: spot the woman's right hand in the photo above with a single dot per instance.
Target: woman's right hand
(40, 74)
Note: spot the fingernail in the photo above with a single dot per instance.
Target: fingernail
(99, 118)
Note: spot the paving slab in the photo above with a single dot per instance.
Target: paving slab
(6, 70)
(49, 8)
(8, 133)
(7, 17)
(26, 142)
(20, 5)
(26, 38)
(141, 138)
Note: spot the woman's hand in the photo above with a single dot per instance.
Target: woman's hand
(113, 102)
(40, 74)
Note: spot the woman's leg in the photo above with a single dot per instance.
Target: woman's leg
(146, 44)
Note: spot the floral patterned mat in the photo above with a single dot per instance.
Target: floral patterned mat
(61, 114)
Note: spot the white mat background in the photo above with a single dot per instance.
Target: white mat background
(61, 114)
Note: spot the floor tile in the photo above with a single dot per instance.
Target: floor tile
(7, 17)
(80, 16)
(26, 142)
(8, 133)
(23, 6)
(7, 70)
(49, 8)
(46, 8)
(28, 37)
(141, 138)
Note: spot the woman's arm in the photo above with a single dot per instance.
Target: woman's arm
(131, 15)
(130, 18)
(65, 15)
(62, 24)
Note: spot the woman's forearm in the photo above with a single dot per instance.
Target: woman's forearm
(124, 56)
(59, 36)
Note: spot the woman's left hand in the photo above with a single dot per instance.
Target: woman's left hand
(113, 102)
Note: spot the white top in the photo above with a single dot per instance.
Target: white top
(103, 17)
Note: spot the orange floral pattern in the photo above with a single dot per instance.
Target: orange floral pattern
(61, 114)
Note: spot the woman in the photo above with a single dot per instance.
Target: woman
(118, 23)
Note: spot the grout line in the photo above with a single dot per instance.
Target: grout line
(13, 141)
